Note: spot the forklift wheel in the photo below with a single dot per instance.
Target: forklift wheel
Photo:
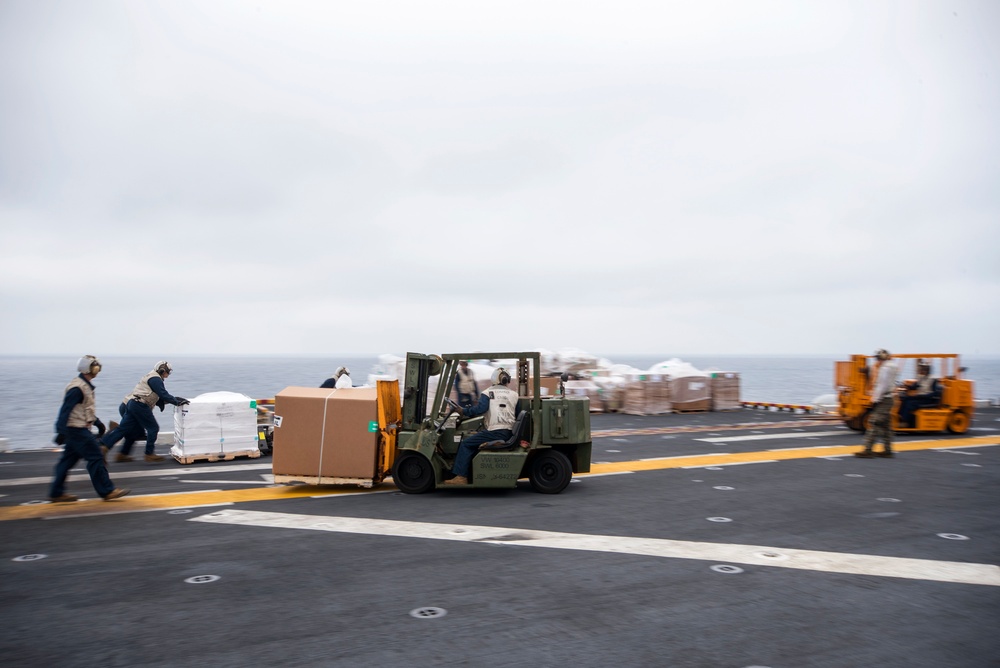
(413, 474)
(550, 472)
(958, 422)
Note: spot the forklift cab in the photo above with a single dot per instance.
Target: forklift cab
(550, 438)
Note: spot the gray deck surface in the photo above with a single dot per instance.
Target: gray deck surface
(111, 590)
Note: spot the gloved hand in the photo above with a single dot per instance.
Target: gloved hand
(60, 439)
(100, 427)
(181, 401)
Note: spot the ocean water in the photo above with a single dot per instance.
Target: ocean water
(31, 388)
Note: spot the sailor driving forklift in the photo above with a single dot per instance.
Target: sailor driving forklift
(924, 392)
(499, 403)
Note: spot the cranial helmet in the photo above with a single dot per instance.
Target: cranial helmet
(882, 354)
(89, 364)
(163, 367)
(500, 376)
(341, 370)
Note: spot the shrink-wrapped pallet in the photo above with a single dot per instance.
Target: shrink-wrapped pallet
(589, 389)
(691, 393)
(215, 425)
(659, 395)
(646, 394)
(726, 391)
(634, 397)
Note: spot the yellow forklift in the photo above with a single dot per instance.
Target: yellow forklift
(953, 411)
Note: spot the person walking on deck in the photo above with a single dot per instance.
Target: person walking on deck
(76, 416)
(880, 415)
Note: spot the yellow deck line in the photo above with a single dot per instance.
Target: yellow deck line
(771, 455)
(194, 499)
(174, 500)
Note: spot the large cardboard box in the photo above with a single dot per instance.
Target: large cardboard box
(327, 434)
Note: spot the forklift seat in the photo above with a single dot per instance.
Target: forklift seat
(519, 431)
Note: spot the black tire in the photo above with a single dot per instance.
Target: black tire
(853, 424)
(413, 473)
(550, 472)
(958, 422)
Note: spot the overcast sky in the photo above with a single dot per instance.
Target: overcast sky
(622, 177)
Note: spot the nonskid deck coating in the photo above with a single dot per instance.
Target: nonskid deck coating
(327, 597)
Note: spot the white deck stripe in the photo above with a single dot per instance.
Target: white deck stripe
(768, 437)
(721, 464)
(754, 555)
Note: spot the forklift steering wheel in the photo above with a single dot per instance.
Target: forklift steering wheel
(455, 408)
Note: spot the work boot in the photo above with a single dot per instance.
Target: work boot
(116, 493)
(457, 480)
(885, 453)
(864, 454)
(153, 458)
(62, 498)
(120, 458)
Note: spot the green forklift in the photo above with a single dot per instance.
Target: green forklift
(550, 440)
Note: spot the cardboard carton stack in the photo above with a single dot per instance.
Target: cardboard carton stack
(659, 395)
(646, 394)
(691, 393)
(634, 397)
(324, 436)
(586, 388)
(726, 391)
(214, 426)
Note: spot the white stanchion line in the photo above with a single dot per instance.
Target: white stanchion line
(830, 562)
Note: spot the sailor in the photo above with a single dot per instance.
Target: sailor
(465, 385)
(132, 436)
(77, 415)
(924, 392)
(880, 412)
(341, 378)
(148, 392)
(499, 403)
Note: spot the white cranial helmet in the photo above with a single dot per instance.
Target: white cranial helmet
(500, 376)
(341, 370)
(88, 364)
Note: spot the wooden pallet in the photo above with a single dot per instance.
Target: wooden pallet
(280, 478)
(217, 456)
(690, 410)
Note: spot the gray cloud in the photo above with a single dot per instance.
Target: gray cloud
(298, 177)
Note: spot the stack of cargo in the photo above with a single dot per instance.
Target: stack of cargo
(215, 426)
(634, 397)
(659, 395)
(646, 394)
(691, 394)
(589, 389)
(726, 391)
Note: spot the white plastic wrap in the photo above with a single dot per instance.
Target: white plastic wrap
(215, 423)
